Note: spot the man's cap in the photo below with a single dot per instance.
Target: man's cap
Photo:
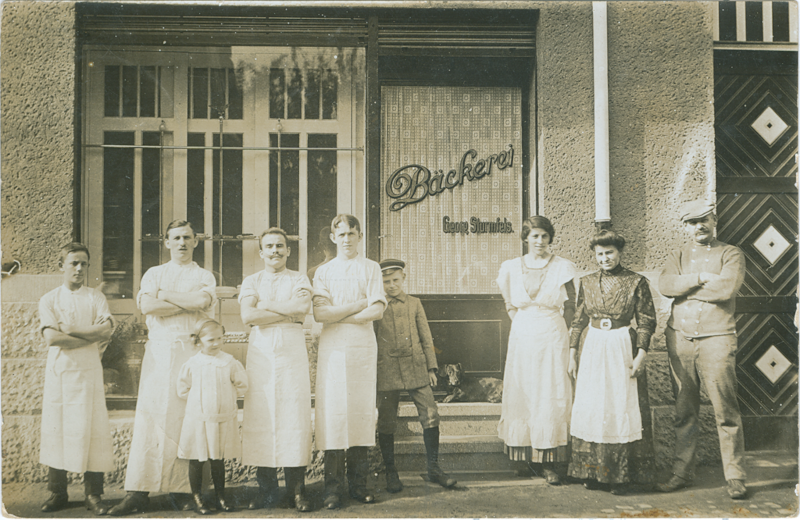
(392, 263)
(696, 209)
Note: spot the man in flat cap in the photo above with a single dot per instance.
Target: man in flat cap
(704, 277)
(406, 361)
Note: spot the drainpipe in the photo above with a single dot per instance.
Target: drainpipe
(602, 192)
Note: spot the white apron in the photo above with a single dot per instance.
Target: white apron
(75, 434)
(537, 392)
(347, 367)
(606, 408)
(153, 463)
(276, 430)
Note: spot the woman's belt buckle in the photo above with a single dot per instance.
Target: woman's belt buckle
(605, 324)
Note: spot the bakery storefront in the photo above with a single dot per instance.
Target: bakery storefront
(416, 123)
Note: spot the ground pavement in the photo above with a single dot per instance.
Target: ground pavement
(772, 482)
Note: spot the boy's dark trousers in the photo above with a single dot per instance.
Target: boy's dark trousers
(217, 476)
(57, 482)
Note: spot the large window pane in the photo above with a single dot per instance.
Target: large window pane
(217, 102)
(294, 91)
(235, 100)
(118, 215)
(321, 193)
(200, 93)
(330, 88)
(151, 200)
(111, 91)
(195, 189)
(228, 199)
(277, 87)
(147, 92)
(130, 81)
(284, 189)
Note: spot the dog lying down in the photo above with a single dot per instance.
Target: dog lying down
(462, 388)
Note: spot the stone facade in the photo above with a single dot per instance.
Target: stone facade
(662, 152)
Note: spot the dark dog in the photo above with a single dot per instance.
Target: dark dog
(467, 389)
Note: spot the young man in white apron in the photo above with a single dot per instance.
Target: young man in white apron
(348, 297)
(174, 297)
(76, 325)
(276, 430)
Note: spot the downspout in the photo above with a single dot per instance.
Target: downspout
(602, 192)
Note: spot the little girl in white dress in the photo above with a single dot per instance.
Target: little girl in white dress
(210, 381)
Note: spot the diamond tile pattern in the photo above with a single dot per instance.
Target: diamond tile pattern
(771, 244)
(773, 364)
(769, 125)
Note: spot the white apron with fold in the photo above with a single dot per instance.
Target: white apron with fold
(347, 371)
(606, 408)
(276, 431)
(75, 435)
(536, 406)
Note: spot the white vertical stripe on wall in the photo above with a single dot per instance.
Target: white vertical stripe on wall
(741, 22)
(793, 22)
(766, 20)
(715, 20)
(602, 198)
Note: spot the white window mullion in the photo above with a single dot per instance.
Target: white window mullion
(305, 239)
(766, 20)
(714, 23)
(208, 201)
(137, 213)
(741, 22)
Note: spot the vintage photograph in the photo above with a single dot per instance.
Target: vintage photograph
(399, 259)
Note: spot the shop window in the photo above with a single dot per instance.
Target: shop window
(137, 91)
(284, 188)
(321, 198)
(298, 94)
(214, 92)
(118, 215)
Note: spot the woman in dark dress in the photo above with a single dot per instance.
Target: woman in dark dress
(610, 427)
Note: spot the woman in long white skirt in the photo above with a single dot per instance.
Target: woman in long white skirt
(611, 435)
(539, 293)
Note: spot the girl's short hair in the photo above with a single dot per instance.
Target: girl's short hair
(205, 323)
(536, 222)
(272, 231)
(607, 238)
(351, 221)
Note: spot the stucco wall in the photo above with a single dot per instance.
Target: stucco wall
(661, 132)
(37, 71)
(662, 146)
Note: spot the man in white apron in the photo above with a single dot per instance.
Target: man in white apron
(348, 297)
(276, 431)
(76, 325)
(174, 297)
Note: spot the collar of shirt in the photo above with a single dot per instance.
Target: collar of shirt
(400, 297)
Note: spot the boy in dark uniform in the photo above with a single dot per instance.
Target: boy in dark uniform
(406, 361)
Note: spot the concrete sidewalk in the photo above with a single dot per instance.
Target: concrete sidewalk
(772, 484)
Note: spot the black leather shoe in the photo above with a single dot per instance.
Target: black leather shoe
(736, 489)
(199, 505)
(263, 500)
(94, 504)
(332, 502)
(591, 484)
(132, 503)
(302, 503)
(551, 477)
(181, 501)
(393, 483)
(362, 496)
(224, 505)
(673, 484)
(56, 502)
(438, 476)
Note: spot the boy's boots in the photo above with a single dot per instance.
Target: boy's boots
(435, 473)
(218, 477)
(357, 472)
(334, 478)
(296, 486)
(267, 479)
(196, 484)
(386, 442)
